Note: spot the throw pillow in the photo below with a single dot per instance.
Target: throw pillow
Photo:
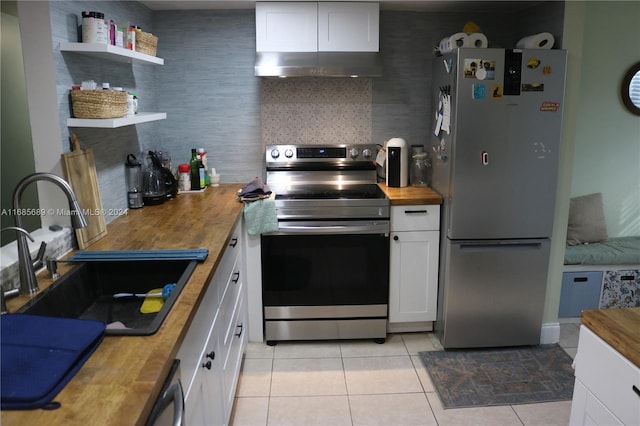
(586, 220)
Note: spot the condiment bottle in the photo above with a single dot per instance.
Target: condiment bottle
(203, 157)
(193, 169)
(184, 177)
(89, 27)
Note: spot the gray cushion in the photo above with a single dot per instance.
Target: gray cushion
(586, 220)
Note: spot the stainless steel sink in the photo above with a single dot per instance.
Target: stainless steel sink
(87, 290)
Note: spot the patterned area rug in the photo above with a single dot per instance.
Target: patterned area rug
(484, 377)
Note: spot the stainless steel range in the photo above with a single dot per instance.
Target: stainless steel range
(325, 272)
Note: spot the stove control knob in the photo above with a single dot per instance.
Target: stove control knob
(367, 153)
(275, 153)
(288, 153)
(353, 152)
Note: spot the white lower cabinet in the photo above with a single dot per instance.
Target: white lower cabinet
(212, 350)
(413, 270)
(606, 390)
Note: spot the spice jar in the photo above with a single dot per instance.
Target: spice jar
(184, 177)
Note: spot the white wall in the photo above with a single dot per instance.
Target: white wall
(607, 144)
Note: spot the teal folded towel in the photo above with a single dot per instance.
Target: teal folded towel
(260, 216)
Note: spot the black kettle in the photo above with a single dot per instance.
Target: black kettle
(170, 182)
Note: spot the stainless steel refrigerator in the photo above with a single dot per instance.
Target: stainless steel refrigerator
(495, 139)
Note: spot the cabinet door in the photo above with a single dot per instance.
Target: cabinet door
(286, 27)
(413, 284)
(204, 399)
(586, 409)
(348, 27)
(609, 377)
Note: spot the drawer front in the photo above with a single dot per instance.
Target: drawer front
(415, 218)
(224, 273)
(195, 341)
(609, 376)
(233, 358)
(227, 305)
(580, 291)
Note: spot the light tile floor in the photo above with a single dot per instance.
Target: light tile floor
(364, 383)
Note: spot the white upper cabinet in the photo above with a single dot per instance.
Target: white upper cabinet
(286, 27)
(317, 27)
(348, 27)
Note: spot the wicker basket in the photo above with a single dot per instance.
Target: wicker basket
(99, 103)
(146, 43)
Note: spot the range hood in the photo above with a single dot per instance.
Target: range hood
(318, 64)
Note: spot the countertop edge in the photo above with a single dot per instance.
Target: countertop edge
(618, 327)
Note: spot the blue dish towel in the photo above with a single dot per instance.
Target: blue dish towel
(260, 216)
(39, 355)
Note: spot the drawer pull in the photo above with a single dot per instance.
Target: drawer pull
(207, 365)
(580, 279)
(636, 390)
(238, 334)
(627, 278)
(415, 211)
(211, 355)
(234, 242)
(236, 277)
(395, 238)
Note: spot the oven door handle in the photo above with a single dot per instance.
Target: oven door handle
(323, 228)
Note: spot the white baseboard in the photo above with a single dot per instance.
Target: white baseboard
(409, 327)
(550, 333)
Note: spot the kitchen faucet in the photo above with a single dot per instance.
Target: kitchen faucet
(3, 305)
(28, 282)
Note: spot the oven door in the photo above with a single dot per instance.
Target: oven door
(326, 264)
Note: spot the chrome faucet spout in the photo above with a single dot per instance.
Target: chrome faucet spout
(3, 304)
(28, 282)
(15, 228)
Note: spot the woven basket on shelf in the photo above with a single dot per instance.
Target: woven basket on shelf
(146, 43)
(99, 103)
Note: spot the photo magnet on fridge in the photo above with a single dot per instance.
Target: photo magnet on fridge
(478, 91)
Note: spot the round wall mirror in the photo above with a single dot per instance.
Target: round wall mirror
(631, 89)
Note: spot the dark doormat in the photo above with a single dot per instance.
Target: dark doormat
(484, 377)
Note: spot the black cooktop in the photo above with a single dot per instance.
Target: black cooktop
(324, 192)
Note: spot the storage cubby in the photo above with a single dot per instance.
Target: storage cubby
(580, 291)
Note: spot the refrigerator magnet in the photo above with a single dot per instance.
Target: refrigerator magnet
(549, 106)
(533, 63)
(496, 91)
(546, 70)
(533, 87)
(477, 91)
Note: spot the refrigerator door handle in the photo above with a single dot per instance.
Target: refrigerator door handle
(502, 246)
(485, 158)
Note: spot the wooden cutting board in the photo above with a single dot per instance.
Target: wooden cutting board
(80, 170)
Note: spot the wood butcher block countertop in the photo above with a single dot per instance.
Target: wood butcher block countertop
(411, 195)
(620, 328)
(121, 380)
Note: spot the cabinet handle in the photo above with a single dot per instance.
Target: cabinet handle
(395, 238)
(240, 332)
(234, 242)
(211, 355)
(636, 390)
(236, 277)
(414, 211)
(207, 365)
